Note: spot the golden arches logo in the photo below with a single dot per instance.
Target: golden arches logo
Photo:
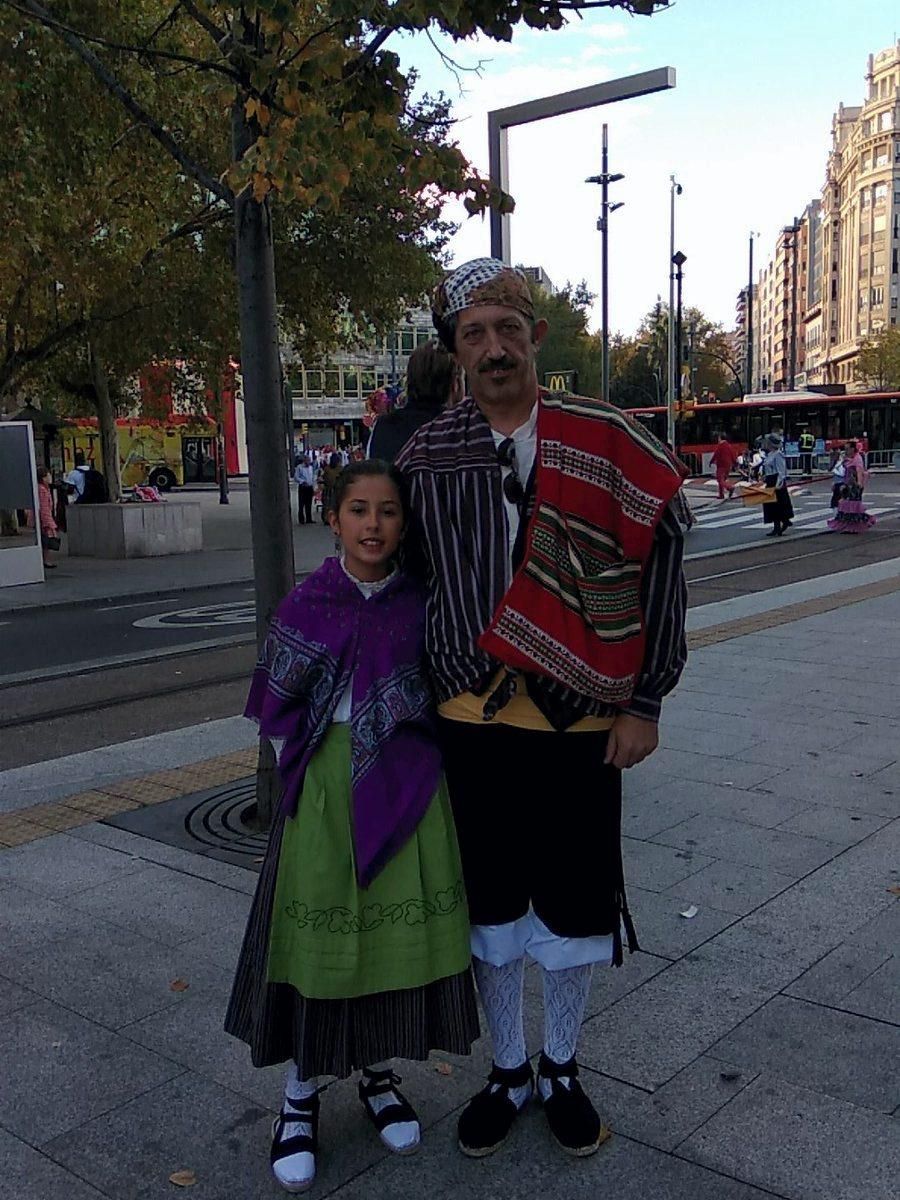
(557, 383)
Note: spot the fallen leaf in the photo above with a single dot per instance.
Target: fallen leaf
(690, 912)
(179, 985)
(183, 1178)
(443, 1068)
(729, 1076)
(895, 890)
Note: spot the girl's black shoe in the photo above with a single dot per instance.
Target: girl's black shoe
(293, 1157)
(487, 1119)
(397, 1124)
(572, 1118)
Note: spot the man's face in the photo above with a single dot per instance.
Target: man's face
(496, 347)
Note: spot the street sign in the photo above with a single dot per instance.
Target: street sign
(561, 381)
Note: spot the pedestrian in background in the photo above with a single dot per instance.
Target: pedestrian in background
(837, 478)
(305, 476)
(328, 477)
(433, 383)
(357, 946)
(49, 528)
(778, 512)
(723, 459)
(851, 515)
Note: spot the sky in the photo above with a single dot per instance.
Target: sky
(746, 132)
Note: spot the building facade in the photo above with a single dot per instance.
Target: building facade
(834, 278)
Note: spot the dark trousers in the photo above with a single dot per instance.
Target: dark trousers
(538, 819)
(304, 503)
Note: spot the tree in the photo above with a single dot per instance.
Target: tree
(318, 109)
(878, 363)
(568, 346)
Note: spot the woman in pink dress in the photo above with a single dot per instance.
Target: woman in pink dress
(851, 515)
(49, 528)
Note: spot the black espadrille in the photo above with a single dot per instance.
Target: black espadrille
(572, 1118)
(487, 1119)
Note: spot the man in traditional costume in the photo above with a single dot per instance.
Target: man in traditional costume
(551, 528)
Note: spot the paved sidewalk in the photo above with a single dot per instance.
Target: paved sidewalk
(226, 558)
(749, 1050)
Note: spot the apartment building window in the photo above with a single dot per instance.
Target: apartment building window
(881, 191)
(367, 379)
(349, 382)
(886, 120)
(332, 379)
(877, 296)
(407, 341)
(313, 383)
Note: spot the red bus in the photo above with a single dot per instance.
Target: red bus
(871, 417)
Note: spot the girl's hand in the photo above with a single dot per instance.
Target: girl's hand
(631, 740)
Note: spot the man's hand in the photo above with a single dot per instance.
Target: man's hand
(631, 739)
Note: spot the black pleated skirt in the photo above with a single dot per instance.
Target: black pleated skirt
(336, 1037)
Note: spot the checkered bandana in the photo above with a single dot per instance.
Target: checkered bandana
(480, 282)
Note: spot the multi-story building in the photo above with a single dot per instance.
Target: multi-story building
(738, 339)
(861, 205)
(764, 325)
(328, 398)
(810, 294)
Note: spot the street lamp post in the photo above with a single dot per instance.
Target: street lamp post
(675, 190)
(605, 179)
(748, 369)
(678, 261)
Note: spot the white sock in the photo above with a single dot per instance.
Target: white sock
(402, 1135)
(500, 989)
(565, 997)
(296, 1169)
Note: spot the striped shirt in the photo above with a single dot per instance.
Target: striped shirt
(458, 512)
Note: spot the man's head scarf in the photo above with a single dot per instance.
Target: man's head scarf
(481, 282)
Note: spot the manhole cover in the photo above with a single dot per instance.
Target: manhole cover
(220, 820)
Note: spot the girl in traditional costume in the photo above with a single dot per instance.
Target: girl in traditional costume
(357, 946)
(851, 515)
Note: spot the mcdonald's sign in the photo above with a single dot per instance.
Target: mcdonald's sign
(561, 381)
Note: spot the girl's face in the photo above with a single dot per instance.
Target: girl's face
(369, 524)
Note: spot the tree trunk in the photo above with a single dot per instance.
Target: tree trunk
(270, 510)
(106, 416)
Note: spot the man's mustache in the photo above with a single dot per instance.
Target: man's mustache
(498, 364)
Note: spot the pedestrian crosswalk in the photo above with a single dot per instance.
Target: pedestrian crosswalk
(726, 517)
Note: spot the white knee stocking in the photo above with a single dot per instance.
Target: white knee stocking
(500, 989)
(565, 997)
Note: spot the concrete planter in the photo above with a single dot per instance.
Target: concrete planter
(133, 530)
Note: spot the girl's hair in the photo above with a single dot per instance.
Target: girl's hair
(43, 473)
(367, 469)
(430, 374)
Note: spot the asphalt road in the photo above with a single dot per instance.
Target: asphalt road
(730, 525)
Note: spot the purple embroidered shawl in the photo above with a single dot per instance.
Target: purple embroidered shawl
(323, 633)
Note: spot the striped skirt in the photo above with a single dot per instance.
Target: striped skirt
(337, 1036)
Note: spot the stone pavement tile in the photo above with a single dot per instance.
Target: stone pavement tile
(165, 905)
(879, 995)
(12, 996)
(19, 832)
(882, 931)
(30, 920)
(834, 824)
(737, 841)
(186, 1124)
(731, 887)
(114, 979)
(837, 974)
(59, 1070)
(62, 865)
(646, 815)
(237, 878)
(705, 769)
(657, 1030)
(801, 1145)
(655, 867)
(26, 1174)
(56, 816)
(710, 740)
(530, 1164)
(667, 1116)
(840, 1054)
(100, 804)
(140, 791)
(220, 945)
(753, 807)
(663, 931)
(191, 1033)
